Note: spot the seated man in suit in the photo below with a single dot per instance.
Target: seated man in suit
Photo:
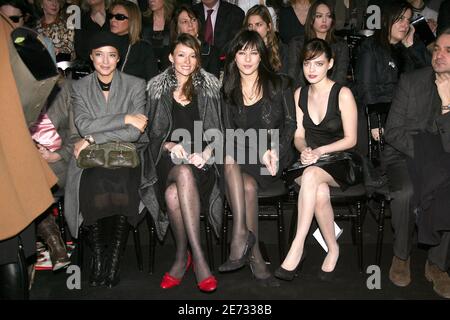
(220, 20)
(421, 104)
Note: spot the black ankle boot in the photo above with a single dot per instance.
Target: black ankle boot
(120, 236)
(97, 245)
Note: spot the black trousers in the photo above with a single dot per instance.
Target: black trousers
(403, 218)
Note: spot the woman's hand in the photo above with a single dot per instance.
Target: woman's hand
(408, 41)
(309, 156)
(138, 121)
(50, 157)
(197, 160)
(79, 146)
(270, 160)
(178, 151)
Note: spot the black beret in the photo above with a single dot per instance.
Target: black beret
(103, 39)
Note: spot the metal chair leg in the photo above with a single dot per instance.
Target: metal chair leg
(138, 249)
(359, 238)
(281, 237)
(152, 243)
(293, 225)
(224, 235)
(380, 233)
(209, 244)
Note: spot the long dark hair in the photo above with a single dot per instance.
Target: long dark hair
(231, 88)
(390, 14)
(311, 17)
(191, 42)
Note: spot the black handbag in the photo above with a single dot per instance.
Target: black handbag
(110, 155)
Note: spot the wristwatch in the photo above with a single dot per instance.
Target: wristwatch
(89, 139)
(445, 107)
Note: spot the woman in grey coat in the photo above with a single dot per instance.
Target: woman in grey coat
(184, 119)
(108, 106)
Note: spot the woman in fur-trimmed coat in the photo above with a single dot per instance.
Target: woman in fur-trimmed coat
(184, 127)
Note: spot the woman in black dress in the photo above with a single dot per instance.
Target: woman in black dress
(255, 100)
(184, 104)
(326, 123)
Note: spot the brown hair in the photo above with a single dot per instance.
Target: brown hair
(174, 23)
(310, 33)
(169, 5)
(272, 39)
(193, 43)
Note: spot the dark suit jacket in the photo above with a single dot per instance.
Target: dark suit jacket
(416, 107)
(228, 23)
(444, 16)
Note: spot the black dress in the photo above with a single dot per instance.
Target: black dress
(251, 118)
(183, 117)
(329, 130)
(109, 192)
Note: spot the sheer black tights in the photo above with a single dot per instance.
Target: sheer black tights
(242, 195)
(183, 208)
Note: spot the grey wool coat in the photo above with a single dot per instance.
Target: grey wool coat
(160, 96)
(105, 121)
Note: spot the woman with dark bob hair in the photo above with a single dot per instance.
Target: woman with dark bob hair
(326, 123)
(184, 104)
(255, 99)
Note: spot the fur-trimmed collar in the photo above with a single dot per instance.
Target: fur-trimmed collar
(204, 83)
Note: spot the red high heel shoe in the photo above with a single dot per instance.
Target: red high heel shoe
(208, 285)
(169, 281)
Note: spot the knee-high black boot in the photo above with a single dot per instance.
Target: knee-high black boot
(119, 241)
(97, 246)
(14, 279)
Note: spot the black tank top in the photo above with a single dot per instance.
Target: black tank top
(330, 129)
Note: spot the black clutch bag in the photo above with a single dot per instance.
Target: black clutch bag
(110, 155)
(350, 160)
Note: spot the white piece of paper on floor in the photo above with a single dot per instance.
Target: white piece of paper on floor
(318, 235)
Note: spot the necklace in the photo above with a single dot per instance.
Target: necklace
(250, 97)
(104, 86)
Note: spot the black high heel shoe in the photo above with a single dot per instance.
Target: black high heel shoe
(269, 282)
(286, 275)
(231, 265)
(327, 276)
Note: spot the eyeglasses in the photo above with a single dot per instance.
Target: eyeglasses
(117, 16)
(15, 19)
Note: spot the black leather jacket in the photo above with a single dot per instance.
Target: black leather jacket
(277, 113)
